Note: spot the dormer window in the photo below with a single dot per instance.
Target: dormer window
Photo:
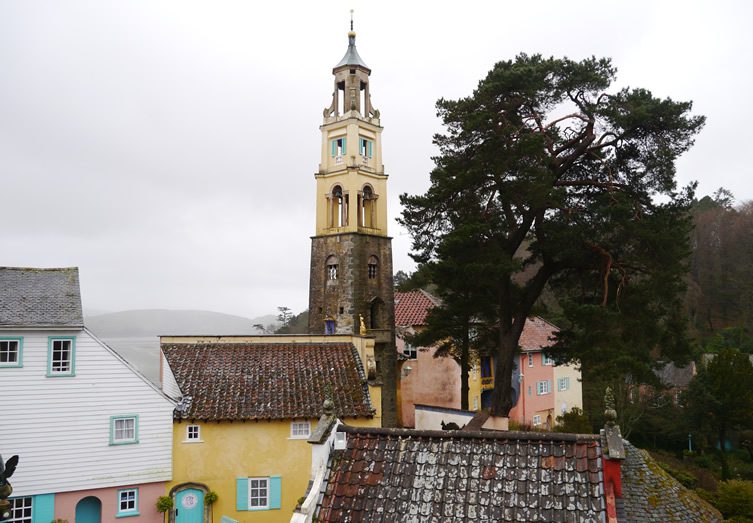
(365, 147)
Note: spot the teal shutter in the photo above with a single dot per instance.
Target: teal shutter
(344, 148)
(43, 508)
(241, 494)
(275, 491)
(333, 147)
(369, 142)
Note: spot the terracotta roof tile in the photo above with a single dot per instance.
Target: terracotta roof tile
(251, 381)
(412, 307)
(388, 475)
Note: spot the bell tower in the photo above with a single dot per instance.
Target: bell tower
(351, 254)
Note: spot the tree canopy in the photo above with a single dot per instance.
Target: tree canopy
(546, 178)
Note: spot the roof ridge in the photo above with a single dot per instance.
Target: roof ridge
(461, 434)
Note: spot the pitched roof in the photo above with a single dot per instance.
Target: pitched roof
(650, 494)
(412, 307)
(537, 334)
(252, 381)
(387, 475)
(40, 297)
(673, 376)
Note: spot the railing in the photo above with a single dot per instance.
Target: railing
(487, 383)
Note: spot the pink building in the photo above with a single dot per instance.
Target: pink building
(542, 390)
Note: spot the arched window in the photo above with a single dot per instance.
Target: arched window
(373, 267)
(331, 268)
(366, 207)
(338, 212)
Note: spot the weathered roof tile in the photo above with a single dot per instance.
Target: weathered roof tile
(40, 297)
(251, 381)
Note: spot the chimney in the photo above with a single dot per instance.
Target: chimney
(613, 455)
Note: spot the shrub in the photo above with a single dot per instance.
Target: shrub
(735, 498)
(164, 503)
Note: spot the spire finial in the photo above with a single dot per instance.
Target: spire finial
(351, 19)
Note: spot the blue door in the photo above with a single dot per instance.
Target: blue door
(189, 506)
(89, 510)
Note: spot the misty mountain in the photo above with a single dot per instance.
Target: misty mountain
(159, 322)
(135, 334)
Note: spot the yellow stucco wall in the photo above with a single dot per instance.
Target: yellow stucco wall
(253, 449)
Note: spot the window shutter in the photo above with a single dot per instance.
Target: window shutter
(43, 508)
(333, 147)
(241, 494)
(275, 491)
(369, 143)
(344, 149)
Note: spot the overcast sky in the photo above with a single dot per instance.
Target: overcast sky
(168, 149)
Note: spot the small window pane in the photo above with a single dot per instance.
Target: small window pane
(20, 510)
(8, 352)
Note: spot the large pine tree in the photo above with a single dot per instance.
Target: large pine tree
(545, 177)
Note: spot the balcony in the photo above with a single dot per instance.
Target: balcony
(487, 383)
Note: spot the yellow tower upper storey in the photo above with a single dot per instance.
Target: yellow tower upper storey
(351, 185)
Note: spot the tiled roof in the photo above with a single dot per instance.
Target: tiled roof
(673, 376)
(537, 334)
(649, 494)
(390, 475)
(40, 297)
(412, 307)
(252, 381)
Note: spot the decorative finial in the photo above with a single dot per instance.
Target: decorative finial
(329, 407)
(351, 19)
(610, 412)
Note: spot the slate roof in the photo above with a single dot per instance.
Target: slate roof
(673, 376)
(649, 494)
(40, 297)
(256, 381)
(351, 56)
(390, 475)
(537, 334)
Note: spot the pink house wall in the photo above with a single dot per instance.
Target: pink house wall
(65, 503)
(431, 381)
(531, 404)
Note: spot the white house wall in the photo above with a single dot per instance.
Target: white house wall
(60, 427)
(169, 385)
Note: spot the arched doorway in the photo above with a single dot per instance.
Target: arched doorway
(89, 510)
(189, 506)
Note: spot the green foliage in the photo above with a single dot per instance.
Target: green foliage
(297, 324)
(715, 403)
(522, 198)
(211, 497)
(164, 503)
(734, 499)
(575, 421)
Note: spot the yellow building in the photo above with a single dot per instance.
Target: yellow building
(248, 405)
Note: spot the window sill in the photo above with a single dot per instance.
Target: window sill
(300, 437)
(119, 443)
(71, 375)
(192, 441)
(127, 514)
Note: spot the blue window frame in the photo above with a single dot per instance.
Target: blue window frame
(124, 430)
(128, 503)
(61, 356)
(338, 147)
(258, 493)
(11, 352)
(366, 147)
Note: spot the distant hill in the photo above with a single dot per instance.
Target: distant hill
(141, 323)
(135, 334)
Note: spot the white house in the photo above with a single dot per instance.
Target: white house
(94, 436)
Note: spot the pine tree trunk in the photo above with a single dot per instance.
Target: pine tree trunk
(503, 367)
(464, 364)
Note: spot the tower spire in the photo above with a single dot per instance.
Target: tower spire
(351, 20)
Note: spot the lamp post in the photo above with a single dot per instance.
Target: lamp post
(690, 442)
